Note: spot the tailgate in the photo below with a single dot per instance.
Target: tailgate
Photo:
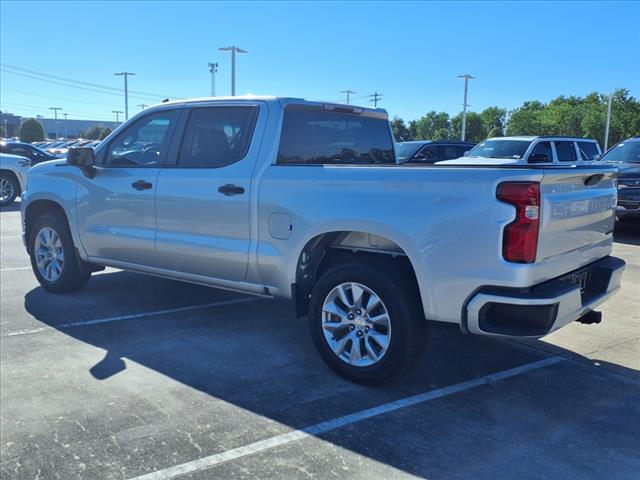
(578, 209)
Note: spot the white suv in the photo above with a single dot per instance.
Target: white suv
(531, 150)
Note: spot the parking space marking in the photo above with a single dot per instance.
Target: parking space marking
(100, 321)
(14, 268)
(326, 426)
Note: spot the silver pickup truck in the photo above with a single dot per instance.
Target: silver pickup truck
(281, 197)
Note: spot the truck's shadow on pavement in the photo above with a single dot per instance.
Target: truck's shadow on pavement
(627, 233)
(257, 356)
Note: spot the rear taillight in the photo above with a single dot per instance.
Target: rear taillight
(520, 237)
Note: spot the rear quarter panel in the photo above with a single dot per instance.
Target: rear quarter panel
(447, 220)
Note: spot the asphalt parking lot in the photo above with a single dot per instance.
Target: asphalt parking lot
(138, 376)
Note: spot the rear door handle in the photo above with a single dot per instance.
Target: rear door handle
(230, 189)
(142, 185)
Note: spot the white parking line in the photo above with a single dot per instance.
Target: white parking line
(14, 268)
(323, 427)
(88, 323)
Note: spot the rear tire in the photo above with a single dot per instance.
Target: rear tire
(53, 255)
(9, 189)
(353, 346)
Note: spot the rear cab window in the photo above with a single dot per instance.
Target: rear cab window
(312, 135)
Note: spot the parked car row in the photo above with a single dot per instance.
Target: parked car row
(502, 151)
(60, 147)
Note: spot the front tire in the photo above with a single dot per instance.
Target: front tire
(9, 189)
(367, 323)
(53, 255)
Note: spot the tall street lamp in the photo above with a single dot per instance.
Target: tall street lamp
(466, 77)
(233, 49)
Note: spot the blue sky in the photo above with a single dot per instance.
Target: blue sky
(409, 51)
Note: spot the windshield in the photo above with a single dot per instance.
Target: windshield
(407, 150)
(625, 152)
(500, 149)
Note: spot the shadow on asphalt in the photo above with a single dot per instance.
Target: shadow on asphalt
(14, 207)
(259, 357)
(627, 233)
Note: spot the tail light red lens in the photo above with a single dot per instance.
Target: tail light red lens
(520, 237)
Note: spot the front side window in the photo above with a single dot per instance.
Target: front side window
(217, 136)
(429, 154)
(588, 150)
(541, 153)
(311, 136)
(144, 143)
(565, 152)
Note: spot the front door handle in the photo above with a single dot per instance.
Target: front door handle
(230, 189)
(142, 185)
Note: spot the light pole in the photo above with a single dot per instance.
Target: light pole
(233, 49)
(213, 68)
(117, 112)
(126, 92)
(348, 92)
(65, 115)
(466, 77)
(606, 131)
(6, 131)
(55, 115)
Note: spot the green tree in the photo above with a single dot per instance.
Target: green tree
(104, 133)
(494, 121)
(92, 133)
(433, 126)
(3, 132)
(413, 130)
(526, 120)
(400, 131)
(31, 131)
(475, 130)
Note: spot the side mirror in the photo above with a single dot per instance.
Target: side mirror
(597, 156)
(83, 158)
(466, 154)
(539, 158)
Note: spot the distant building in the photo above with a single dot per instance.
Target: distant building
(53, 129)
(11, 123)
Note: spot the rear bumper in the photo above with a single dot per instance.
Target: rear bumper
(536, 311)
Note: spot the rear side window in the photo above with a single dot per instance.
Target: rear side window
(588, 150)
(217, 136)
(311, 136)
(450, 152)
(565, 151)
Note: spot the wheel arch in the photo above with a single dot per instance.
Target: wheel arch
(325, 249)
(35, 209)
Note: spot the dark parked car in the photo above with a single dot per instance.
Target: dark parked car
(33, 153)
(425, 151)
(627, 154)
